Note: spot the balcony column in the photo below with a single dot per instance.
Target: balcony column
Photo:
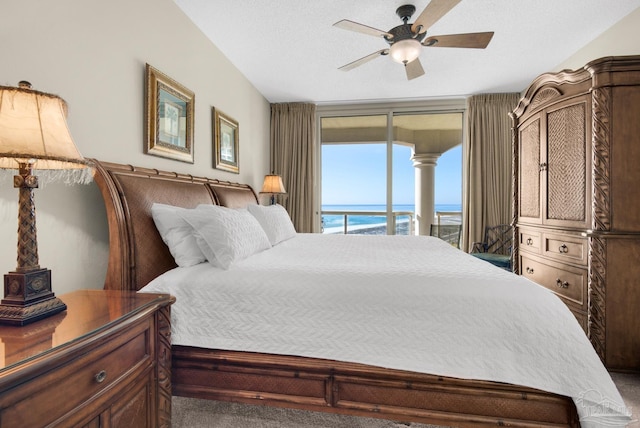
(425, 164)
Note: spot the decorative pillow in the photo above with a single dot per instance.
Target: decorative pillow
(177, 234)
(275, 221)
(226, 235)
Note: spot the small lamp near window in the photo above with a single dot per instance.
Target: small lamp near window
(34, 135)
(272, 186)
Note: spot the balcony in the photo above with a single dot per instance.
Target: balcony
(375, 222)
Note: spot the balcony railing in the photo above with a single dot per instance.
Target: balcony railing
(448, 217)
(401, 227)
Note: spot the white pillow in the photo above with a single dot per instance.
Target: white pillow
(177, 234)
(226, 235)
(275, 221)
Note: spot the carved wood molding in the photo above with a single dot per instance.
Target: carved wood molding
(601, 144)
(25, 314)
(601, 216)
(546, 86)
(597, 295)
(543, 96)
(515, 172)
(164, 367)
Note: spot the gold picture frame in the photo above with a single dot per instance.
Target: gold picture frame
(169, 117)
(226, 142)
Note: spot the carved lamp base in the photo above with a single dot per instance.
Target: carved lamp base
(28, 297)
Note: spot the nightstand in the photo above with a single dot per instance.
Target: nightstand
(104, 362)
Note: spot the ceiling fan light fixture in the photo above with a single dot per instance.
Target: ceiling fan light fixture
(407, 40)
(405, 51)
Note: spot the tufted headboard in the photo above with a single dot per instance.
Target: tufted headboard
(137, 253)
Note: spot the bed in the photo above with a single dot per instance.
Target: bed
(403, 380)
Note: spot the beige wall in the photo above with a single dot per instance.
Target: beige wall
(621, 39)
(93, 53)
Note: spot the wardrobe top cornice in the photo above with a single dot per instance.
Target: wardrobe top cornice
(607, 71)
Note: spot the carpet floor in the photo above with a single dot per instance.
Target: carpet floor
(195, 413)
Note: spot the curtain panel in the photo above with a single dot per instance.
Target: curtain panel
(487, 182)
(293, 139)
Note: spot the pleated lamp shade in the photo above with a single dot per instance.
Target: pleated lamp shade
(272, 184)
(33, 129)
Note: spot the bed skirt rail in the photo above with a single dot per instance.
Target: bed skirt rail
(361, 390)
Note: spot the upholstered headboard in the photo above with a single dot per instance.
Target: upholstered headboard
(137, 253)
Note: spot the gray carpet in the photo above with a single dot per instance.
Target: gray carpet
(629, 386)
(195, 413)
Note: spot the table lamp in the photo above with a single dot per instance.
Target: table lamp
(272, 186)
(34, 135)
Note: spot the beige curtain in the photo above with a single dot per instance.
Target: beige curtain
(293, 139)
(487, 158)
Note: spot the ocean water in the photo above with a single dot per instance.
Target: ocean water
(333, 222)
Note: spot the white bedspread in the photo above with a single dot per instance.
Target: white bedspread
(402, 302)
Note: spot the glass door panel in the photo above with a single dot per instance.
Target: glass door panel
(429, 149)
(354, 165)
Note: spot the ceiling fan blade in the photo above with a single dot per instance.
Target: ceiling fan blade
(414, 69)
(468, 40)
(364, 59)
(435, 10)
(360, 28)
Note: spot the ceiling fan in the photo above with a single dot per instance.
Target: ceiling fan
(406, 40)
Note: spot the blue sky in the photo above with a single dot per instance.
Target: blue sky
(354, 174)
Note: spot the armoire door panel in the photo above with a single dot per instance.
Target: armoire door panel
(529, 202)
(566, 170)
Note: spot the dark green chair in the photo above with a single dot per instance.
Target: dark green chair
(496, 246)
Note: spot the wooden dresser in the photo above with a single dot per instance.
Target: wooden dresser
(577, 198)
(105, 362)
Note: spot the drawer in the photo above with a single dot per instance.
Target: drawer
(529, 241)
(573, 249)
(75, 384)
(568, 282)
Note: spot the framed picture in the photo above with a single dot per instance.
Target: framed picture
(168, 116)
(225, 138)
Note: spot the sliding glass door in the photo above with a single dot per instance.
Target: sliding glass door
(379, 176)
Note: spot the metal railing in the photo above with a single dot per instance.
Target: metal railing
(364, 227)
(440, 214)
(441, 217)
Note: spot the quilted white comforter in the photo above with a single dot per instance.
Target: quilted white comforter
(402, 302)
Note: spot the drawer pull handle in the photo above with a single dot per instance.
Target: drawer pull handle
(100, 376)
(529, 270)
(563, 249)
(562, 284)
(529, 241)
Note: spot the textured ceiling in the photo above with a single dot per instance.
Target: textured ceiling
(290, 50)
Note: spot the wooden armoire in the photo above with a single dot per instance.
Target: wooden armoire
(576, 183)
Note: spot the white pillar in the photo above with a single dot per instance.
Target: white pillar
(425, 164)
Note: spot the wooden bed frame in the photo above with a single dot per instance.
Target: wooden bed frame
(138, 255)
